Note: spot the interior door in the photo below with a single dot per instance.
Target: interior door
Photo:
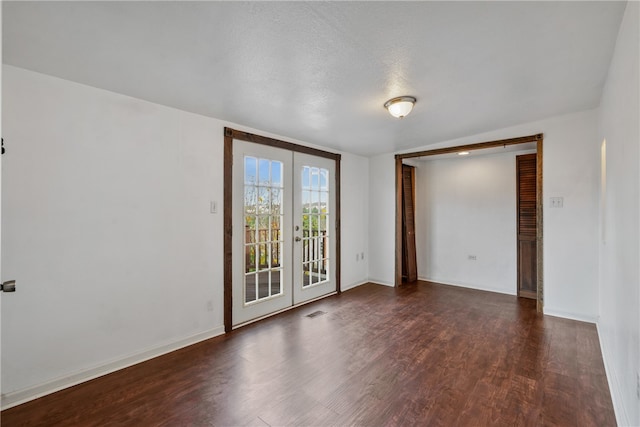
(283, 236)
(527, 226)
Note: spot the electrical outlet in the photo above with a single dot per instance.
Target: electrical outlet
(472, 258)
(557, 202)
(209, 305)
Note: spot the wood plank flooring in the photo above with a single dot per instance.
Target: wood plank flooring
(423, 354)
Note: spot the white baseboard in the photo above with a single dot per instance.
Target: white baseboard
(465, 285)
(22, 396)
(380, 282)
(353, 285)
(550, 311)
(622, 419)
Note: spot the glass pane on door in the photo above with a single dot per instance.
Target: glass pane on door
(315, 233)
(263, 213)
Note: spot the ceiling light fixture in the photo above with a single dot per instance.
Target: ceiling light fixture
(400, 106)
(463, 153)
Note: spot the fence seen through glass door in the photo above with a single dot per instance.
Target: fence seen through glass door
(315, 220)
(263, 214)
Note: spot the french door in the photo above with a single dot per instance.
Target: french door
(283, 229)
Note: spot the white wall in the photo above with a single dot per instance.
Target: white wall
(571, 170)
(106, 226)
(354, 212)
(467, 206)
(382, 214)
(619, 286)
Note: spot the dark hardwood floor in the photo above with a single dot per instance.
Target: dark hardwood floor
(422, 354)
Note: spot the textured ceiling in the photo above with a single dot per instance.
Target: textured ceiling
(321, 71)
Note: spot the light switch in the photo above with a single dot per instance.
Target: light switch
(214, 207)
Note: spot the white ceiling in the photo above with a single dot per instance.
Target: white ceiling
(321, 71)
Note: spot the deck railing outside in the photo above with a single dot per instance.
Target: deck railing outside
(266, 253)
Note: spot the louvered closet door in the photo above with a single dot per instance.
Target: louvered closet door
(527, 251)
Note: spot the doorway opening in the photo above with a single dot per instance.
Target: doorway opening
(537, 140)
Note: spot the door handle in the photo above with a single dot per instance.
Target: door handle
(297, 239)
(8, 286)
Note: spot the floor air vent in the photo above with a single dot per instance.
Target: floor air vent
(316, 314)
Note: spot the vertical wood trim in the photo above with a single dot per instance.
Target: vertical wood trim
(413, 188)
(338, 228)
(398, 263)
(539, 224)
(228, 228)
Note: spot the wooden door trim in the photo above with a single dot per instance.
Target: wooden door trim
(472, 147)
(229, 136)
(398, 247)
(539, 221)
(228, 228)
(272, 142)
(537, 138)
